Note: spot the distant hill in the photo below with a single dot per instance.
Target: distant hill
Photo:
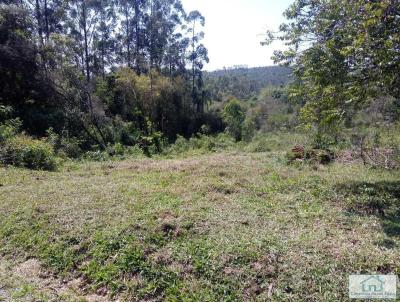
(243, 83)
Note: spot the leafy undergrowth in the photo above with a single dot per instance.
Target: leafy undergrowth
(220, 227)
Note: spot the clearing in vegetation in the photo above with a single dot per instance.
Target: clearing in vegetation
(227, 226)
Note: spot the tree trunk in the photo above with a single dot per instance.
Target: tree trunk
(137, 32)
(46, 19)
(193, 68)
(86, 46)
(39, 23)
(128, 36)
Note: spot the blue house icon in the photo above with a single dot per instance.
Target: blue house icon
(373, 284)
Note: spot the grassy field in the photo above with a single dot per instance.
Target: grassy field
(229, 226)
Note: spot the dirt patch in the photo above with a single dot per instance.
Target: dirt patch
(266, 269)
(33, 273)
(163, 256)
(169, 224)
(30, 270)
(266, 266)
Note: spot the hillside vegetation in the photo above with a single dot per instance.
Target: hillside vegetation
(244, 83)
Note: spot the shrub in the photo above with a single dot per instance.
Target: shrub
(23, 151)
(116, 150)
(134, 151)
(96, 156)
(224, 142)
(9, 129)
(248, 131)
(319, 156)
(201, 144)
(64, 145)
(70, 146)
(234, 116)
(257, 146)
(181, 145)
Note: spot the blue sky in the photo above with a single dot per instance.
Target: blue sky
(234, 30)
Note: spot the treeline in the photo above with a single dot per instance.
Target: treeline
(94, 73)
(244, 83)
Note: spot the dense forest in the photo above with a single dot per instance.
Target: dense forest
(96, 73)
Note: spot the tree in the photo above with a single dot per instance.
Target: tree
(83, 20)
(198, 56)
(104, 42)
(23, 84)
(344, 54)
(233, 115)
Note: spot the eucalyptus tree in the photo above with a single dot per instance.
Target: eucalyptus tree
(84, 17)
(104, 38)
(162, 23)
(64, 61)
(197, 57)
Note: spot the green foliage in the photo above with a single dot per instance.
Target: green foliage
(258, 144)
(64, 145)
(130, 86)
(5, 112)
(233, 115)
(71, 147)
(340, 66)
(313, 157)
(96, 155)
(23, 151)
(200, 144)
(9, 128)
(116, 149)
(249, 130)
(271, 111)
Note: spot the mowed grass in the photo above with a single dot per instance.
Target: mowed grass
(219, 227)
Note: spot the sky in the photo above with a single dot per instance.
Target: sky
(235, 28)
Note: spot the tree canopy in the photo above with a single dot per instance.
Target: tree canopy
(103, 71)
(344, 54)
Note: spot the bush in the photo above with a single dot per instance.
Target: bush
(315, 156)
(116, 150)
(9, 128)
(258, 145)
(23, 151)
(248, 131)
(134, 151)
(201, 144)
(70, 146)
(181, 145)
(96, 155)
(64, 145)
(233, 115)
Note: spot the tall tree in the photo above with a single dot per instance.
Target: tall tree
(197, 56)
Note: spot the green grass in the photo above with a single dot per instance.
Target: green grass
(227, 226)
